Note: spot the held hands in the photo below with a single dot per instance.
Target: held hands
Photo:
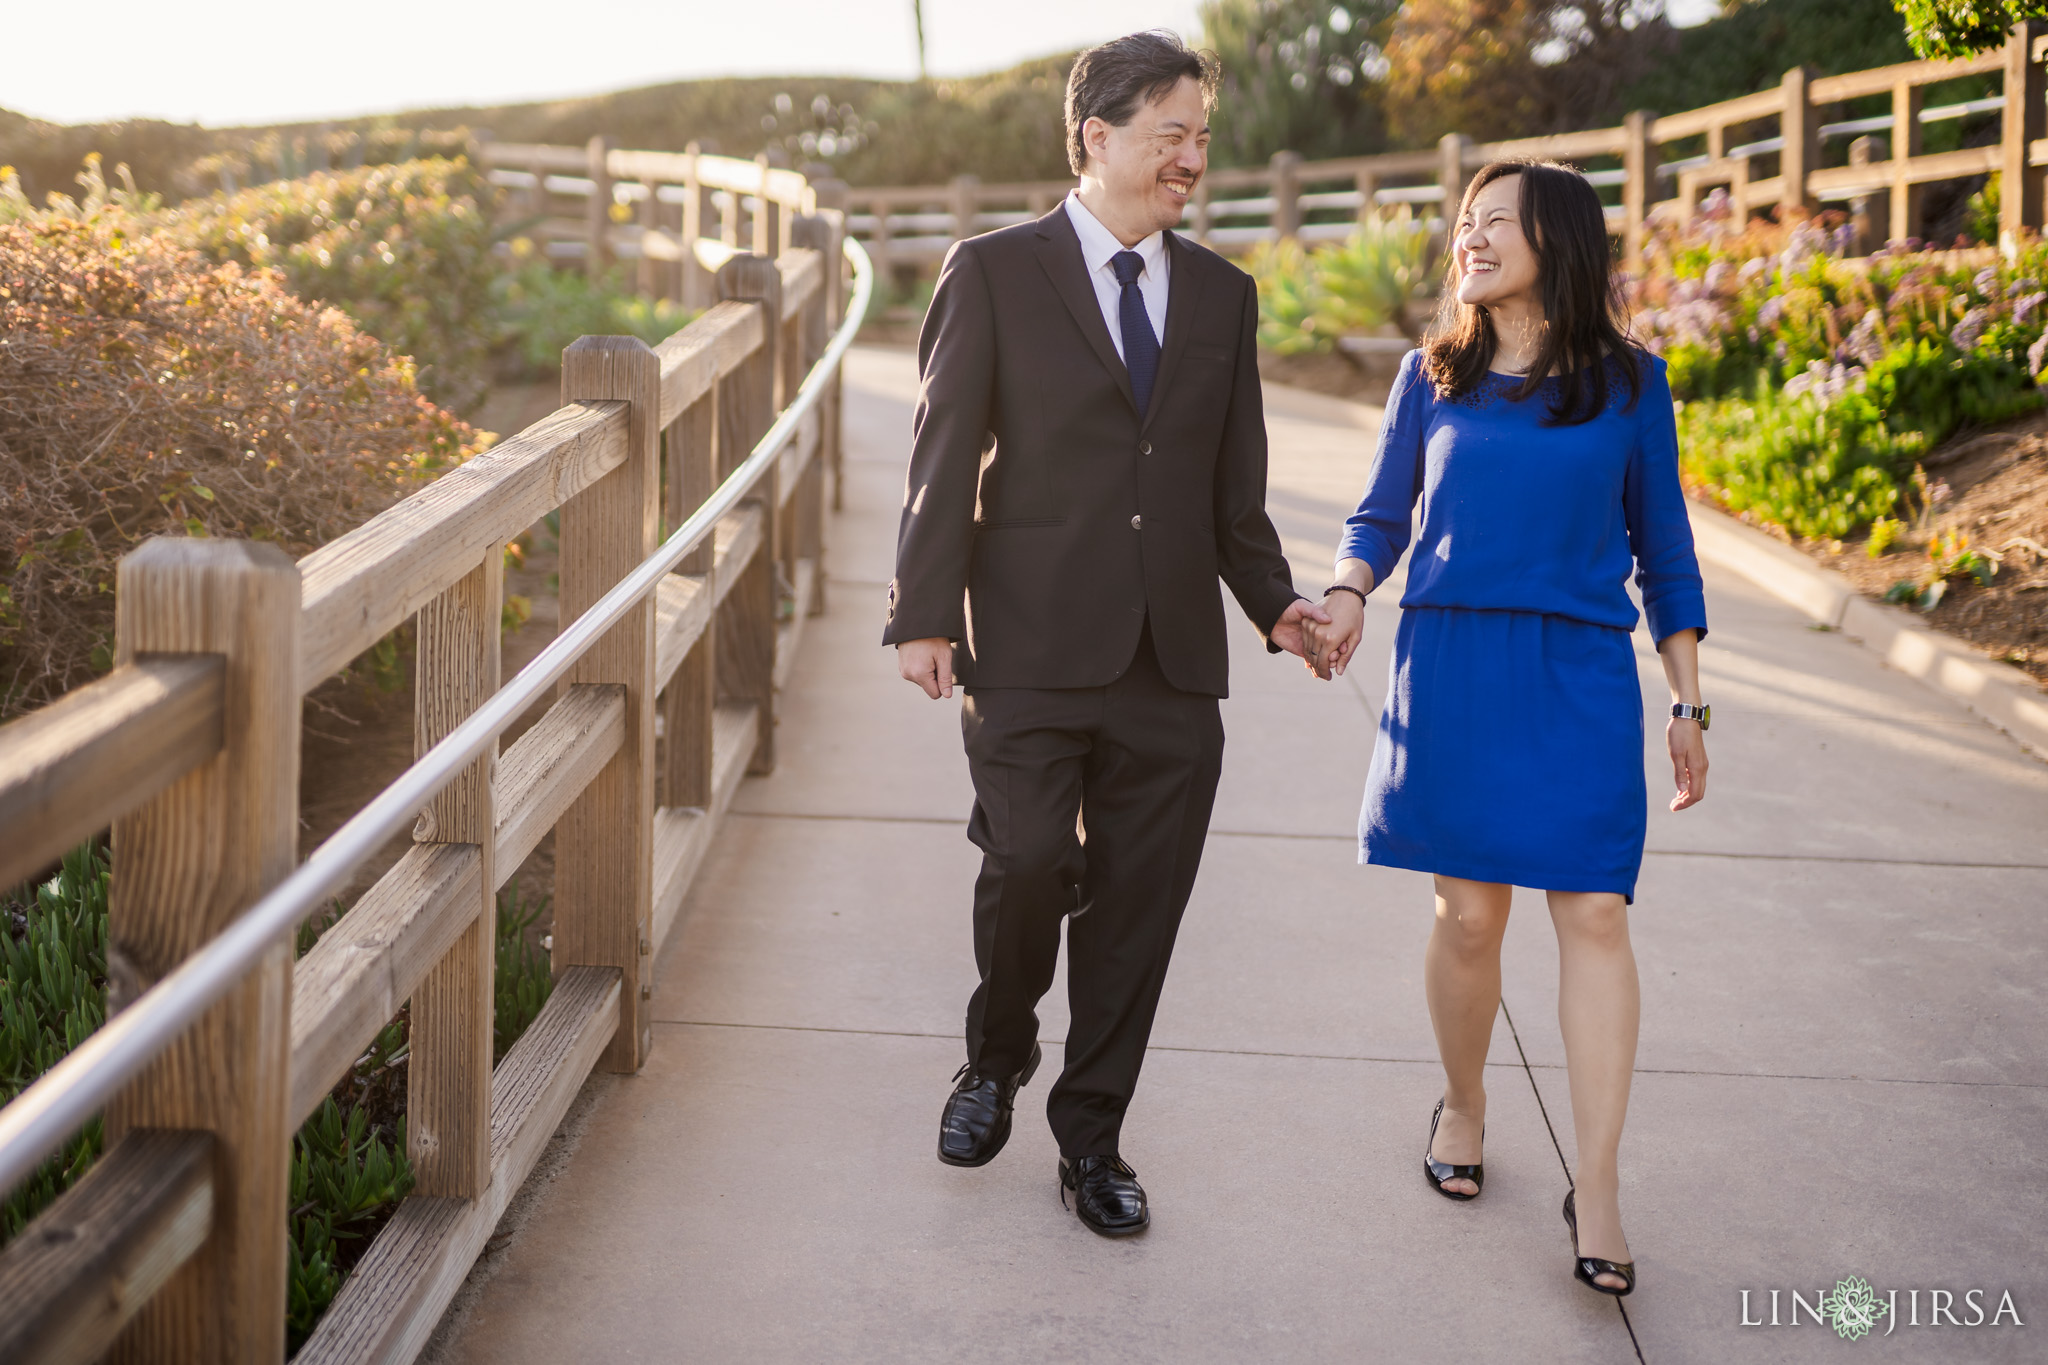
(1292, 631)
(1328, 646)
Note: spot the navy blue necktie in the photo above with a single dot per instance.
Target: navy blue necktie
(1141, 348)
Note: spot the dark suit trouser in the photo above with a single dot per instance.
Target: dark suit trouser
(1136, 762)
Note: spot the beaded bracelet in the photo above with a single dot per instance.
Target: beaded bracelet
(1344, 587)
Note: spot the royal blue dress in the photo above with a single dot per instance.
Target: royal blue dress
(1511, 745)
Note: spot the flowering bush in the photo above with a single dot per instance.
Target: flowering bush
(146, 391)
(1811, 383)
(405, 250)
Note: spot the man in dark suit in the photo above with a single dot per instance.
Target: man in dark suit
(1088, 457)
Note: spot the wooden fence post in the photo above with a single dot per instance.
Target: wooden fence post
(696, 204)
(764, 211)
(1801, 155)
(1639, 190)
(1450, 178)
(537, 197)
(1870, 210)
(185, 865)
(597, 211)
(1907, 101)
(878, 242)
(2019, 192)
(649, 273)
(604, 861)
(1200, 230)
(746, 619)
(832, 210)
(966, 203)
(1286, 173)
(688, 704)
(448, 1079)
(815, 326)
(1368, 185)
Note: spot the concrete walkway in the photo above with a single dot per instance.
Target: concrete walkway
(1842, 1071)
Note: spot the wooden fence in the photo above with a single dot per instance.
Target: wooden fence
(173, 1247)
(1769, 148)
(679, 215)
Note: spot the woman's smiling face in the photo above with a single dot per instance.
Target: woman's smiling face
(1496, 262)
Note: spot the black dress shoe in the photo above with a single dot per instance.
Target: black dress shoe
(976, 1122)
(1107, 1194)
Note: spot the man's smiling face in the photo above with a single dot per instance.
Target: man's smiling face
(1149, 167)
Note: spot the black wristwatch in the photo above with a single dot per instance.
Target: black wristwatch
(1686, 711)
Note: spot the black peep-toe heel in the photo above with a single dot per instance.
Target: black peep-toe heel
(1437, 1172)
(1584, 1268)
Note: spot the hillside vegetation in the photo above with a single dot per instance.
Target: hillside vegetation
(1006, 125)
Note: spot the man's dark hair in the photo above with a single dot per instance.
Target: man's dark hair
(1111, 81)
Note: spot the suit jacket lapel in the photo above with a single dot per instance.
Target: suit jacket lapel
(1059, 253)
(1183, 293)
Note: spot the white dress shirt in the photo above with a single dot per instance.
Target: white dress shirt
(1098, 245)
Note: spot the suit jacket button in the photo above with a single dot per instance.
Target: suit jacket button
(1137, 523)
(1144, 447)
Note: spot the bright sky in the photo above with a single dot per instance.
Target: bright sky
(225, 62)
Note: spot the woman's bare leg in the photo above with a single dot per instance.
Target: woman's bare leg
(1598, 1007)
(1461, 976)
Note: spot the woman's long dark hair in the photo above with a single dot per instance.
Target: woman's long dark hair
(1584, 332)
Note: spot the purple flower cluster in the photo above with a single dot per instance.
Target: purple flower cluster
(1825, 383)
(1965, 335)
(1865, 345)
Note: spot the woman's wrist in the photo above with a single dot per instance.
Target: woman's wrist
(1336, 590)
(1352, 573)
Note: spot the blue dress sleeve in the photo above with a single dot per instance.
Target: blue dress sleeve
(1659, 531)
(1378, 531)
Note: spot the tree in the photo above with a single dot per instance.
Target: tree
(1959, 28)
(917, 19)
(1510, 68)
(1298, 75)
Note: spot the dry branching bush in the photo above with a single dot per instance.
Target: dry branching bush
(146, 391)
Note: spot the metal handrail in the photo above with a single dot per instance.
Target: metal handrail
(45, 1115)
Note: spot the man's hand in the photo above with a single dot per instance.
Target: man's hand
(1287, 631)
(929, 664)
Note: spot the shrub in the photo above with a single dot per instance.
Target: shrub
(1815, 466)
(405, 250)
(1287, 298)
(1310, 297)
(542, 309)
(1816, 381)
(145, 391)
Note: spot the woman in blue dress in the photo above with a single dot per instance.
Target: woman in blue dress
(1540, 445)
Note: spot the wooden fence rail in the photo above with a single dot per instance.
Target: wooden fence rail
(721, 439)
(1767, 148)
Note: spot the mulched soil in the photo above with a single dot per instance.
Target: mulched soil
(1998, 481)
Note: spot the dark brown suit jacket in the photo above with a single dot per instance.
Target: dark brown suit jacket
(1045, 518)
